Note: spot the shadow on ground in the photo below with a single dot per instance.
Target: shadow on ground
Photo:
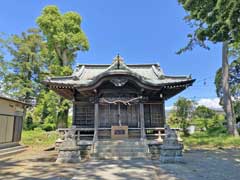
(42, 166)
(207, 165)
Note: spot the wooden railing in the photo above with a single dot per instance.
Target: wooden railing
(79, 132)
(150, 133)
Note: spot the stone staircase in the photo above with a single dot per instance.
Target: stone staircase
(11, 150)
(120, 149)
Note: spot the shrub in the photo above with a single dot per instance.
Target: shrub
(48, 127)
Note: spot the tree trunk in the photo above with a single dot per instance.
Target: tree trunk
(227, 102)
(62, 115)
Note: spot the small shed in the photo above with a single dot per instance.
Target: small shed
(12, 112)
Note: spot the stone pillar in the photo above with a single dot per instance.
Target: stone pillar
(143, 135)
(96, 115)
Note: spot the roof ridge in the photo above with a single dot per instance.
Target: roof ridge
(143, 64)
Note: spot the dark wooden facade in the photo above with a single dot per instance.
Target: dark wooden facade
(118, 95)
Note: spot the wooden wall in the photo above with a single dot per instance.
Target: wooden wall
(154, 115)
(109, 115)
(11, 119)
(10, 128)
(8, 107)
(129, 115)
(84, 115)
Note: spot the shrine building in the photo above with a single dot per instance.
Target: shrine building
(118, 100)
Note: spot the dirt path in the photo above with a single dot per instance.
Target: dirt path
(199, 165)
(41, 165)
(207, 165)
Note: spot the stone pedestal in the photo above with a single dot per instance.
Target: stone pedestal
(171, 149)
(69, 151)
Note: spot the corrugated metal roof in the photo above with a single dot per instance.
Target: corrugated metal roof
(5, 97)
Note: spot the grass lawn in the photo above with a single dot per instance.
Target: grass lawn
(203, 140)
(39, 139)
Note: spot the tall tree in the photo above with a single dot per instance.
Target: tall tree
(184, 109)
(64, 38)
(216, 21)
(24, 75)
(3, 63)
(234, 82)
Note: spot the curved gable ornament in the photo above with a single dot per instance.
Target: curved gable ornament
(119, 82)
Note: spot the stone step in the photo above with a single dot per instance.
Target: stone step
(119, 149)
(117, 158)
(134, 154)
(128, 144)
(11, 150)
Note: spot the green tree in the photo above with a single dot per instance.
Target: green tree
(183, 111)
(64, 39)
(234, 82)
(204, 115)
(3, 63)
(22, 80)
(216, 21)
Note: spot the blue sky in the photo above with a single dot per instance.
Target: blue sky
(141, 31)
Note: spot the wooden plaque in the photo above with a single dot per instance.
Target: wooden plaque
(119, 132)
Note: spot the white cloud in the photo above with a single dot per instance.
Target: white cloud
(168, 108)
(210, 103)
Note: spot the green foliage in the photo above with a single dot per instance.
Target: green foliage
(23, 77)
(38, 138)
(203, 117)
(213, 20)
(64, 39)
(183, 112)
(48, 127)
(47, 107)
(63, 32)
(36, 54)
(215, 139)
(234, 83)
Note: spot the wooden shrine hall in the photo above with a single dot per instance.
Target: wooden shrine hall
(118, 100)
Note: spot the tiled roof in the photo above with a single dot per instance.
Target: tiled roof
(86, 74)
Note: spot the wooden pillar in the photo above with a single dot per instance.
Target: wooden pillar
(143, 135)
(163, 113)
(96, 119)
(73, 113)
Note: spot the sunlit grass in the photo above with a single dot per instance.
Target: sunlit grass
(39, 138)
(205, 140)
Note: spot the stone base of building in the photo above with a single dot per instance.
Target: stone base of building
(171, 159)
(69, 156)
(171, 154)
(154, 149)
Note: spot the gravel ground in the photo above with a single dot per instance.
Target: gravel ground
(206, 165)
(199, 165)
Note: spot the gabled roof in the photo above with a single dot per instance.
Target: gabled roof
(5, 97)
(88, 74)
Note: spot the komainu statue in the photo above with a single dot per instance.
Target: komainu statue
(171, 149)
(69, 151)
